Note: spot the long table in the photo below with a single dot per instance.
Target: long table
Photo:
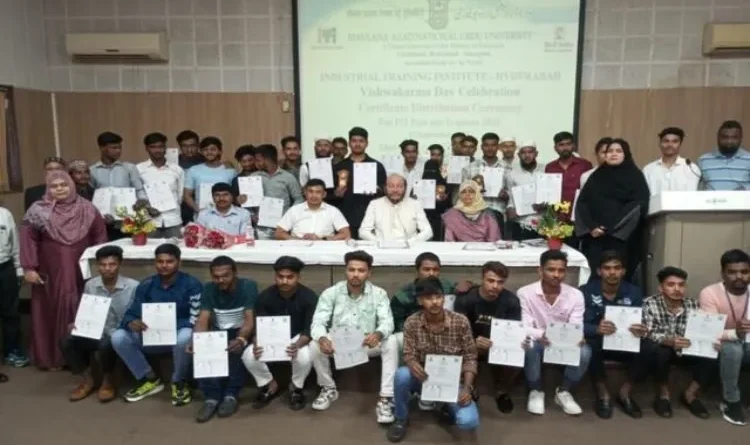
(324, 261)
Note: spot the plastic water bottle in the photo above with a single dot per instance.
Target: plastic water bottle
(250, 236)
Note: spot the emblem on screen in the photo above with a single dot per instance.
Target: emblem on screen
(438, 15)
(327, 36)
(560, 33)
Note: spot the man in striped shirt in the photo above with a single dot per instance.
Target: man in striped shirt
(727, 167)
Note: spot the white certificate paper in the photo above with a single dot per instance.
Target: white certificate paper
(347, 347)
(91, 316)
(205, 197)
(210, 356)
(321, 168)
(161, 324)
(548, 188)
(443, 378)
(365, 178)
(252, 187)
(173, 156)
(622, 317)
(426, 192)
(392, 163)
(703, 330)
(102, 200)
(456, 167)
(564, 348)
(274, 336)
(575, 204)
(524, 198)
(493, 180)
(507, 338)
(160, 196)
(108, 199)
(270, 212)
(449, 302)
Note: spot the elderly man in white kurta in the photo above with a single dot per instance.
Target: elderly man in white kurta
(395, 216)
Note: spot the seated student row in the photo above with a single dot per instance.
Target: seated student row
(231, 303)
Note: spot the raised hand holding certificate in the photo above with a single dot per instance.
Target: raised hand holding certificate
(548, 188)
(161, 324)
(160, 196)
(91, 316)
(493, 181)
(443, 378)
(622, 317)
(365, 178)
(321, 168)
(426, 192)
(507, 338)
(456, 167)
(703, 330)
(523, 198)
(210, 359)
(564, 347)
(274, 336)
(347, 347)
(252, 187)
(205, 197)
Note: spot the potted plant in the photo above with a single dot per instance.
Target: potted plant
(553, 223)
(137, 224)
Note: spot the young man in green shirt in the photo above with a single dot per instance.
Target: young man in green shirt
(227, 303)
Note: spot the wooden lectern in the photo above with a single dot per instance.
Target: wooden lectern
(691, 230)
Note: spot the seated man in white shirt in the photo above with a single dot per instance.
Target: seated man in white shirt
(395, 216)
(672, 172)
(313, 219)
(223, 215)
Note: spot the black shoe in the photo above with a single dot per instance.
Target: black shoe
(603, 408)
(663, 408)
(732, 413)
(444, 415)
(228, 407)
(207, 411)
(504, 403)
(397, 431)
(696, 407)
(629, 407)
(264, 397)
(296, 399)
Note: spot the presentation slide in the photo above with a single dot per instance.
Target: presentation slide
(424, 69)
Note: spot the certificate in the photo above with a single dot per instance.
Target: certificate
(523, 198)
(443, 378)
(161, 324)
(703, 330)
(493, 181)
(347, 347)
(321, 168)
(456, 167)
(274, 336)
(575, 204)
(548, 188)
(507, 338)
(91, 316)
(449, 302)
(122, 197)
(270, 212)
(365, 178)
(173, 156)
(480, 246)
(210, 357)
(622, 317)
(160, 196)
(393, 163)
(205, 197)
(564, 347)
(252, 187)
(102, 200)
(426, 192)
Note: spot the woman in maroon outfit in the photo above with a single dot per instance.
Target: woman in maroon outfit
(55, 232)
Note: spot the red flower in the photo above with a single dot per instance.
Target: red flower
(128, 220)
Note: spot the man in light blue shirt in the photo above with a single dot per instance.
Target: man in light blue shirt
(728, 167)
(210, 172)
(223, 215)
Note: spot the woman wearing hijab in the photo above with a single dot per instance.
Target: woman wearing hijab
(36, 192)
(442, 198)
(81, 175)
(612, 207)
(55, 232)
(470, 220)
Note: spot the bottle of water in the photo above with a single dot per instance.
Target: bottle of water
(250, 236)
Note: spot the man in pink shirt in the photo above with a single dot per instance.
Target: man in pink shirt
(551, 300)
(730, 297)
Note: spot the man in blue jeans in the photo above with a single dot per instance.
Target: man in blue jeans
(435, 330)
(169, 285)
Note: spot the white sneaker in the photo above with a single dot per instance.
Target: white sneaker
(426, 406)
(384, 410)
(565, 400)
(327, 396)
(535, 404)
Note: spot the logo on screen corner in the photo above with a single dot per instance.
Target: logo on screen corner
(327, 36)
(560, 43)
(439, 14)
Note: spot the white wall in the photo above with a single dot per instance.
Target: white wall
(23, 61)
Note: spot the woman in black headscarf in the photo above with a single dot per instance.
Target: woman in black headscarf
(611, 209)
(443, 200)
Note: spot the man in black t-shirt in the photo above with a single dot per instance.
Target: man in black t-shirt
(481, 304)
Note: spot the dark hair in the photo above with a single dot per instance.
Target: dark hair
(458, 134)
(495, 267)
(268, 152)
(168, 249)
(186, 135)
(358, 255)
(245, 150)
(315, 182)
(408, 142)
(212, 140)
(289, 139)
(734, 256)
(471, 139)
(610, 255)
(108, 138)
(289, 263)
(671, 271)
(339, 140)
(679, 132)
(552, 255)
(359, 131)
(437, 147)
(223, 260)
(426, 256)
(602, 143)
(50, 159)
(154, 138)
(428, 286)
(563, 136)
(490, 137)
(730, 125)
(221, 187)
(109, 251)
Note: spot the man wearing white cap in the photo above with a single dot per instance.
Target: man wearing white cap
(507, 146)
(322, 150)
(526, 173)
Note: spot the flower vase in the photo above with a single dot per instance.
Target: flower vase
(554, 243)
(140, 239)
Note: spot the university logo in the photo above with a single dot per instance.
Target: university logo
(560, 42)
(559, 33)
(327, 36)
(438, 14)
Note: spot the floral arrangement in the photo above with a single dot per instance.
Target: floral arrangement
(193, 235)
(137, 223)
(197, 236)
(554, 220)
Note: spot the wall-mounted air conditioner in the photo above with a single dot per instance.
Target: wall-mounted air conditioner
(726, 39)
(118, 47)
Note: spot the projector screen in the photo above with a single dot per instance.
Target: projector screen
(424, 69)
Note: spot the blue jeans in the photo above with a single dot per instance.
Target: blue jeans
(533, 368)
(129, 347)
(467, 417)
(218, 388)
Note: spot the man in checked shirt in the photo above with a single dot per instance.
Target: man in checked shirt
(435, 330)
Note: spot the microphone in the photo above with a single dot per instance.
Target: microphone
(690, 167)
